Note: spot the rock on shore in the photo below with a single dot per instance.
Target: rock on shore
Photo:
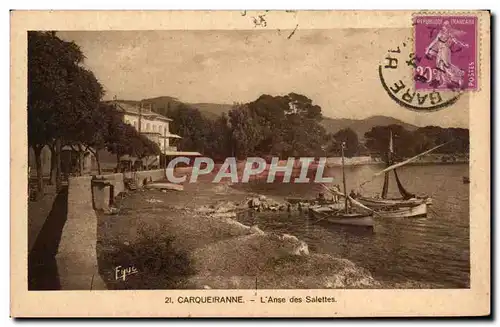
(272, 262)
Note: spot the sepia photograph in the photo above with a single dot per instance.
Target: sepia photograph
(257, 159)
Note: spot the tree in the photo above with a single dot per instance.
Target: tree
(350, 138)
(143, 147)
(95, 132)
(53, 78)
(119, 136)
(63, 98)
(190, 123)
(377, 141)
(122, 139)
(283, 125)
(219, 144)
(246, 132)
(456, 139)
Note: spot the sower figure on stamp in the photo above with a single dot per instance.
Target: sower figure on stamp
(440, 49)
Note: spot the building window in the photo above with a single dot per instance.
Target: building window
(165, 131)
(147, 127)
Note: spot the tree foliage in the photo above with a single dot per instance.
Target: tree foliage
(350, 138)
(407, 144)
(62, 95)
(64, 105)
(277, 125)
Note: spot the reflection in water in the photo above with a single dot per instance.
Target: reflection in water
(432, 251)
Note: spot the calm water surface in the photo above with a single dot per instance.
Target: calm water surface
(431, 251)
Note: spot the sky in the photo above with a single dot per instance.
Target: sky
(336, 68)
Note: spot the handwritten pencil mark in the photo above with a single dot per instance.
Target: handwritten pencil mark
(293, 32)
(259, 21)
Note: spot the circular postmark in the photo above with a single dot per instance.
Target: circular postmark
(398, 72)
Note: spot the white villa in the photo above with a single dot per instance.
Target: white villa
(149, 123)
(153, 125)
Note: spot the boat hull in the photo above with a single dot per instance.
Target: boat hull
(381, 203)
(419, 210)
(165, 186)
(333, 217)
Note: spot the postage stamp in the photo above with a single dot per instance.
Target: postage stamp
(446, 51)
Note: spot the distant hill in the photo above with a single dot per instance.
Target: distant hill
(361, 126)
(162, 104)
(332, 125)
(212, 108)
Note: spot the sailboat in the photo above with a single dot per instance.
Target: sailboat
(346, 215)
(408, 205)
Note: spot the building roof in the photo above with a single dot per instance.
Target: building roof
(134, 110)
(181, 153)
(168, 135)
(172, 136)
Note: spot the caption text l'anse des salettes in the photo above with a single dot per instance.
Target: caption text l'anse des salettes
(242, 300)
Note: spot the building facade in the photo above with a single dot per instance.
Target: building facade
(153, 125)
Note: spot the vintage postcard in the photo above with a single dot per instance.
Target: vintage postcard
(250, 163)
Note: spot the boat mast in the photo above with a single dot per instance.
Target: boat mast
(343, 178)
(385, 187)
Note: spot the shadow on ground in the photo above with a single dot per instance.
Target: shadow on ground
(158, 264)
(42, 267)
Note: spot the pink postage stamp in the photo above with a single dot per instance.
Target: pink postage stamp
(445, 48)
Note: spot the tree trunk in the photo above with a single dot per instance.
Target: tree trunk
(80, 160)
(39, 170)
(96, 155)
(58, 164)
(117, 162)
(52, 164)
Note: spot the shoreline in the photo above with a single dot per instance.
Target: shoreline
(175, 241)
(426, 163)
(195, 250)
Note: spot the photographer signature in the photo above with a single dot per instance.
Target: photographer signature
(122, 273)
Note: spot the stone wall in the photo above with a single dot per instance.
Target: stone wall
(101, 195)
(116, 180)
(76, 256)
(155, 175)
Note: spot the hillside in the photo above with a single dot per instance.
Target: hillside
(212, 108)
(361, 126)
(163, 103)
(332, 125)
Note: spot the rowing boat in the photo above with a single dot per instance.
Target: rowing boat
(402, 211)
(342, 213)
(339, 217)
